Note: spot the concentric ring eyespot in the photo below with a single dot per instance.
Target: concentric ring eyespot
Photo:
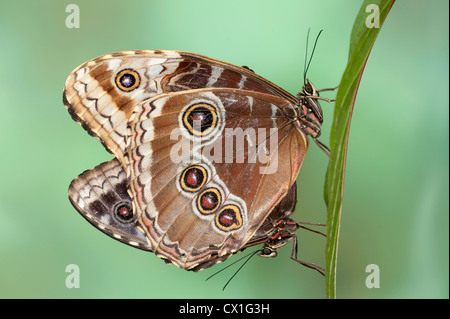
(208, 201)
(124, 212)
(127, 80)
(193, 178)
(229, 218)
(200, 119)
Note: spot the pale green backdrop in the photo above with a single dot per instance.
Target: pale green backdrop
(396, 206)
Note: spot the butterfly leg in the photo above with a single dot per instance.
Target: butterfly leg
(322, 98)
(328, 89)
(300, 225)
(323, 147)
(304, 263)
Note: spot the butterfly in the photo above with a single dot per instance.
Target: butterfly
(175, 187)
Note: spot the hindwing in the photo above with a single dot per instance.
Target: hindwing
(101, 196)
(243, 175)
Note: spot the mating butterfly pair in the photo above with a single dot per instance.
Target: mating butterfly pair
(204, 206)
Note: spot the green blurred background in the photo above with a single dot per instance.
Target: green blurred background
(396, 205)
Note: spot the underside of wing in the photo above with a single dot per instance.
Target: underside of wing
(198, 199)
(100, 195)
(102, 93)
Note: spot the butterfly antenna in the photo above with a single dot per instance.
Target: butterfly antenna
(234, 262)
(312, 53)
(251, 255)
(306, 56)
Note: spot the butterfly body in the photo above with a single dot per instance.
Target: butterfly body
(175, 186)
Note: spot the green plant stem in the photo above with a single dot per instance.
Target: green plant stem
(361, 42)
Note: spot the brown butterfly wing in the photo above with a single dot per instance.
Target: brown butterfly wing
(102, 93)
(282, 211)
(99, 194)
(191, 223)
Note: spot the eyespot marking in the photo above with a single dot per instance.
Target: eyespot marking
(124, 213)
(193, 178)
(229, 218)
(200, 119)
(208, 201)
(127, 80)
